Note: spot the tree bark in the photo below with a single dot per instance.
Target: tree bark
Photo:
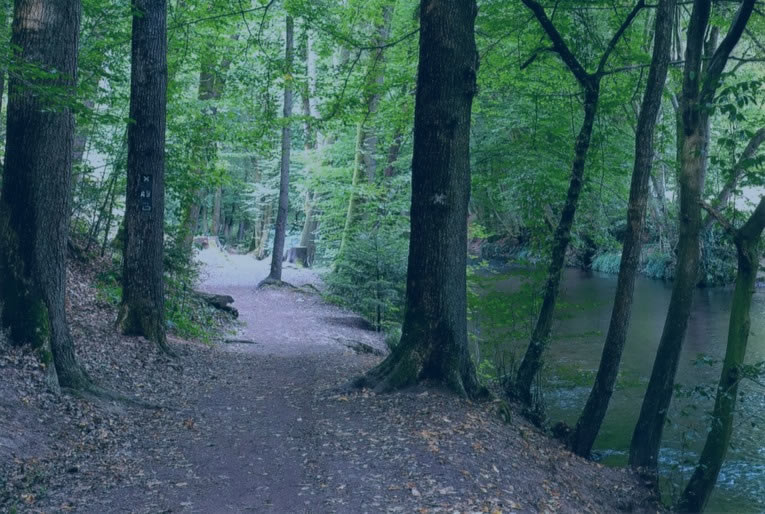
(261, 237)
(590, 83)
(35, 199)
(698, 92)
(591, 418)
(434, 334)
(696, 493)
(284, 178)
(314, 140)
(142, 311)
(216, 217)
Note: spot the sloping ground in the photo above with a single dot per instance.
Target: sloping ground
(263, 427)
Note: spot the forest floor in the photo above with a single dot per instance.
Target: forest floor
(263, 426)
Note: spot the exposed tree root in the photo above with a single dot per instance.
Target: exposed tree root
(403, 369)
(272, 282)
(93, 392)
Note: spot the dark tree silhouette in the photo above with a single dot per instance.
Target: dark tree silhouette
(434, 334)
(35, 198)
(142, 311)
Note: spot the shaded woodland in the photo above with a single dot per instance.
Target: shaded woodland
(406, 152)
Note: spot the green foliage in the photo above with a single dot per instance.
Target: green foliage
(607, 263)
(657, 264)
(370, 278)
(500, 322)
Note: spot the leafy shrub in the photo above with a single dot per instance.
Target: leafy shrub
(370, 278)
(607, 262)
(658, 264)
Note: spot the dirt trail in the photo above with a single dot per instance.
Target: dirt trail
(262, 427)
(253, 426)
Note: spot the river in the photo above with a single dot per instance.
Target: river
(574, 356)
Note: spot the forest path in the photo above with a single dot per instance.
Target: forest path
(254, 425)
(262, 427)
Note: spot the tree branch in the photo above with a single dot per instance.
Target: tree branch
(618, 34)
(559, 45)
(730, 229)
(738, 170)
(720, 57)
(755, 224)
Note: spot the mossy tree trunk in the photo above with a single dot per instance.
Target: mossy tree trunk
(35, 199)
(142, 311)
(590, 83)
(698, 93)
(433, 344)
(284, 176)
(591, 418)
(696, 493)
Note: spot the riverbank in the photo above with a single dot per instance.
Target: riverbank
(262, 426)
(503, 320)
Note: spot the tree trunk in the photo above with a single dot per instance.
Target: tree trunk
(591, 418)
(142, 311)
(308, 236)
(590, 83)
(260, 249)
(696, 493)
(284, 178)
(698, 92)
(35, 199)
(434, 334)
(216, 221)
(393, 153)
(212, 83)
(532, 360)
(314, 140)
(351, 211)
(374, 86)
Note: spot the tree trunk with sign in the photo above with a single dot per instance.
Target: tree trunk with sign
(142, 310)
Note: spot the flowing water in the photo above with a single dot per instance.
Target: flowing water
(574, 356)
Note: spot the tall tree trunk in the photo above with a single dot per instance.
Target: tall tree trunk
(374, 94)
(351, 211)
(366, 140)
(591, 418)
(590, 83)
(212, 83)
(35, 199)
(109, 219)
(434, 334)
(393, 152)
(698, 92)
(696, 493)
(284, 178)
(313, 140)
(308, 235)
(262, 237)
(216, 216)
(142, 311)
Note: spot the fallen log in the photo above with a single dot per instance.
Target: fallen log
(219, 301)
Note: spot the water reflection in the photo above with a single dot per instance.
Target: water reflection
(578, 341)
